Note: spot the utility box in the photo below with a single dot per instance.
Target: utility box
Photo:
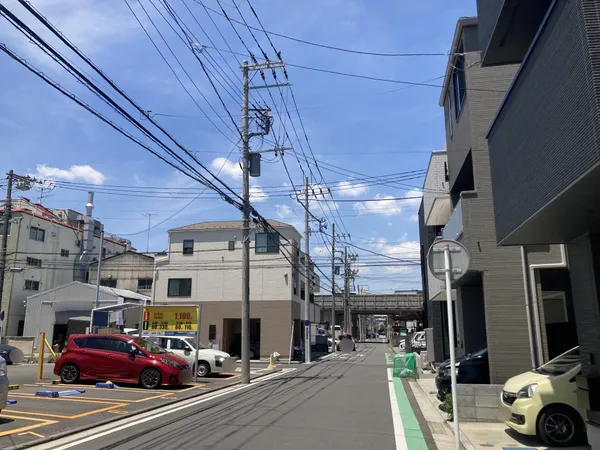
(429, 339)
(254, 165)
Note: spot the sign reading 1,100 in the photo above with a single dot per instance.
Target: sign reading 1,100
(183, 316)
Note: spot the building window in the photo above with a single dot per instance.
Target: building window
(34, 262)
(180, 287)
(2, 228)
(64, 253)
(212, 332)
(231, 245)
(144, 284)
(103, 252)
(108, 282)
(267, 243)
(37, 234)
(188, 247)
(32, 285)
(458, 81)
(448, 107)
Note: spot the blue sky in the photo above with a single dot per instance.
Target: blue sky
(370, 127)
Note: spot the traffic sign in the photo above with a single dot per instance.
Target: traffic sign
(459, 259)
(307, 323)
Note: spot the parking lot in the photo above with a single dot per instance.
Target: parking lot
(34, 417)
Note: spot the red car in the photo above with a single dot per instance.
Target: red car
(117, 357)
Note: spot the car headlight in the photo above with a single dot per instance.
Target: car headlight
(527, 391)
(3, 371)
(168, 362)
(219, 358)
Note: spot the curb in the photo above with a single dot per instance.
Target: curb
(464, 440)
(63, 434)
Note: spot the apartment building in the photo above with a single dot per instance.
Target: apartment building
(130, 270)
(46, 249)
(493, 306)
(203, 267)
(544, 152)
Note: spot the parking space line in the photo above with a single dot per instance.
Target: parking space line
(101, 399)
(76, 416)
(43, 423)
(125, 389)
(32, 433)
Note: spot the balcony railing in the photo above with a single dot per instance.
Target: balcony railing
(454, 228)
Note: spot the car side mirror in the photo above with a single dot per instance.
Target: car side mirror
(187, 352)
(132, 351)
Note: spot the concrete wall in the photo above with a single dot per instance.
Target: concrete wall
(126, 269)
(478, 402)
(56, 270)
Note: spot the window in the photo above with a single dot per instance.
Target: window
(144, 284)
(188, 247)
(2, 228)
(95, 343)
(267, 243)
(119, 346)
(458, 81)
(212, 332)
(32, 285)
(80, 342)
(231, 245)
(64, 253)
(448, 107)
(180, 287)
(179, 344)
(108, 282)
(103, 252)
(34, 262)
(37, 234)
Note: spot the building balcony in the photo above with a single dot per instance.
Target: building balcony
(454, 228)
(437, 204)
(543, 142)
(507, 28)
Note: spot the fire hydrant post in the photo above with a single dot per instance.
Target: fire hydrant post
(41, 348)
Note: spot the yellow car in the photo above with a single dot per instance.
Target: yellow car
(543, 402)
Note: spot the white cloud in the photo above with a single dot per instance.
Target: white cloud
(226, 167)
(347, 189)
(413, 198)
(76, 173)
(404, 250)
(320, 251)
(414, 218)
(386, 206)
(283, 211)
(257, 195)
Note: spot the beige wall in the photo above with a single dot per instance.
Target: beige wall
(126, 269)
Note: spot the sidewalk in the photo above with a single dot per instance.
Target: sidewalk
(474, 435)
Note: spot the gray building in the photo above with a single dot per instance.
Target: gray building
(130, 270)
(545, 153)
(492, 304)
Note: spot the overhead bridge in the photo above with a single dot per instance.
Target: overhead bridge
(401, 304)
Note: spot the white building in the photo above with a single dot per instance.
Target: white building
(203, 266)
(46, 249)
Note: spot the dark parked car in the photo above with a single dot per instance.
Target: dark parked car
(470, 369)
(341, 337)
(117, 357)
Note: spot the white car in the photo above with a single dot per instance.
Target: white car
(209, 360)
(3, 384)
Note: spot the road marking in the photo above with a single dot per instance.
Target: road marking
(411, 430)
(43, 423)
(396, 418)
(33, 433)
(118, 412)
(90, 435)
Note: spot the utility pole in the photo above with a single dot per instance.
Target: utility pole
(333, 287)
(346, 289)
(246, 135)
(307, 281)
(245, 376)
(7, 215)
(149, 221)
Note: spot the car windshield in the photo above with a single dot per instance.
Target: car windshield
(150, 347)
(561, 364)
(192, 343)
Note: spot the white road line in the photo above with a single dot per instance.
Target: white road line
(96, 433)
(397, 419)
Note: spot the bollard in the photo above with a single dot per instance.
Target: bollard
(271, 362)
(41, 342)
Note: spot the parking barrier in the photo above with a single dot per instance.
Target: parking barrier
(107, 385)
(13, 387)
(11, 402)
(51, 394)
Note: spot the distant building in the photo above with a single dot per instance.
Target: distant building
(53, 248)
(203, 266)
(130, 270)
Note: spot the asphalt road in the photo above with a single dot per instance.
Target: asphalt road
(337, 403)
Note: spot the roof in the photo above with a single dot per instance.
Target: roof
(124, 293)
(226, 225)
(144, 255)
(462, 23)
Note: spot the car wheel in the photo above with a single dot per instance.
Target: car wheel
(69, 373)
(560, 427)
(203, 369)
(150, 379)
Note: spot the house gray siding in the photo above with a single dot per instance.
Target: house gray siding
(549, 120)
(487, 13)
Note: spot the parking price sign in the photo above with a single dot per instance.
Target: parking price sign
(170, 320)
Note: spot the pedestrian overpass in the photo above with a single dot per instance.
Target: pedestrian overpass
(403, 305)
